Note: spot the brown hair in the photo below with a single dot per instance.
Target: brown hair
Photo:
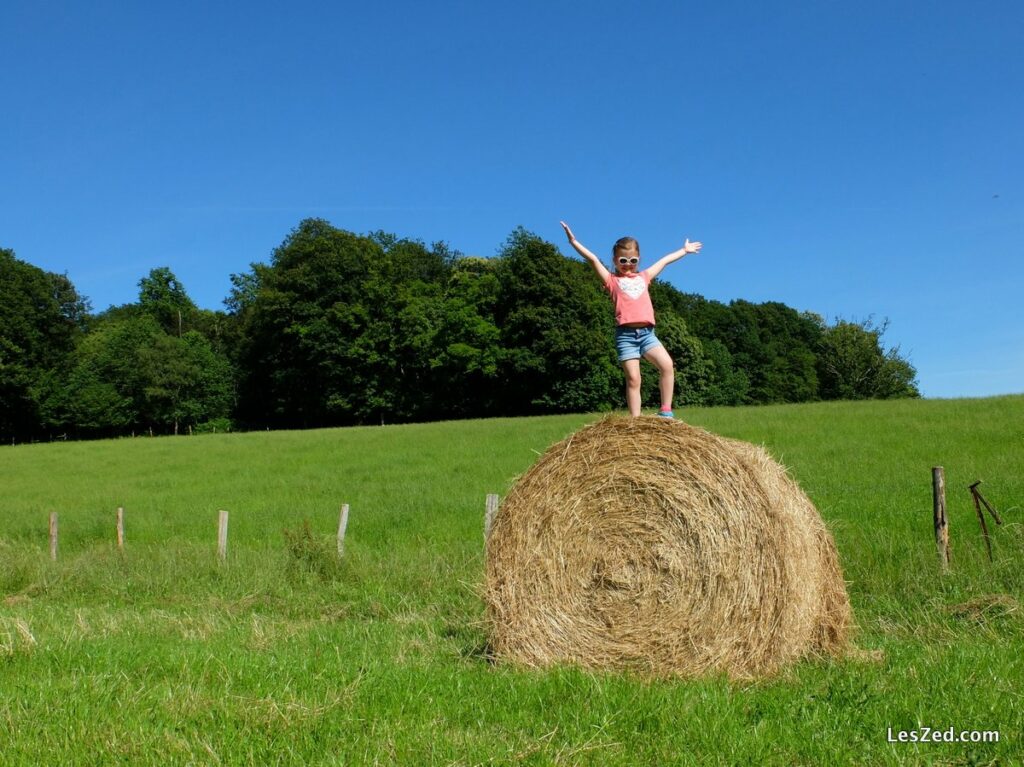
(626, 243)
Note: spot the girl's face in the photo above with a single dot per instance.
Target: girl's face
(627, 261)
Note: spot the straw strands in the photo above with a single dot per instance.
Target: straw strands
(648, 544)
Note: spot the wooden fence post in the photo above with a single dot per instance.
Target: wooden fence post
(492, 508)
(222, 536)
(342, 525)
(120, 528)
(939, 518)
(53, 535)
(978, 500)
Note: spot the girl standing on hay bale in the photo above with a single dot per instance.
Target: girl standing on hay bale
(634, 314)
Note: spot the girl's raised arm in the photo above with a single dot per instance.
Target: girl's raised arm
(661, 263)
(595, 262)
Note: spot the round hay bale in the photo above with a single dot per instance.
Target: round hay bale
(648, 544)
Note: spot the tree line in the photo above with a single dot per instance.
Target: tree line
(341, 329)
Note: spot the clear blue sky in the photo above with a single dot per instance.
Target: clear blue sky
(850, 159)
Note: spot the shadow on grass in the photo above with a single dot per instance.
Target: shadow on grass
(470, 641)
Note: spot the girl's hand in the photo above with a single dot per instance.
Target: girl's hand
(568, 231)
(690, 247)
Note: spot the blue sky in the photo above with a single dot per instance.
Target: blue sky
(851, 159)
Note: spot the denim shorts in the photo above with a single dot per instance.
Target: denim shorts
(634, 343)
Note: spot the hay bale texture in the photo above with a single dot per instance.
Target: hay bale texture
(648, 544)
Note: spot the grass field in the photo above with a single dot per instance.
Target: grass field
(285, 656)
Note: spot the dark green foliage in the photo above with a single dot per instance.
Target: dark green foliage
(103, 389)
(764, 352)
(336, 328)
(163, 297)
(185, 381)
(729, 385)
(693, 371)
(129, 374)
(466, 350)
(772, 344)
(555, 332)
(853, 364)
(41, 318)
(346, 329)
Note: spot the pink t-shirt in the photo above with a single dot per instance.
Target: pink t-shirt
(631, 299)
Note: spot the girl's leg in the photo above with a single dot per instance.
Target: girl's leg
(632, 371)
(667, 380)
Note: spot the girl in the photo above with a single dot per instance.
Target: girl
(634, 314)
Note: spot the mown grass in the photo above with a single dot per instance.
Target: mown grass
(159, 655)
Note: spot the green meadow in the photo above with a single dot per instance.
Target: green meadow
(285, 655)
